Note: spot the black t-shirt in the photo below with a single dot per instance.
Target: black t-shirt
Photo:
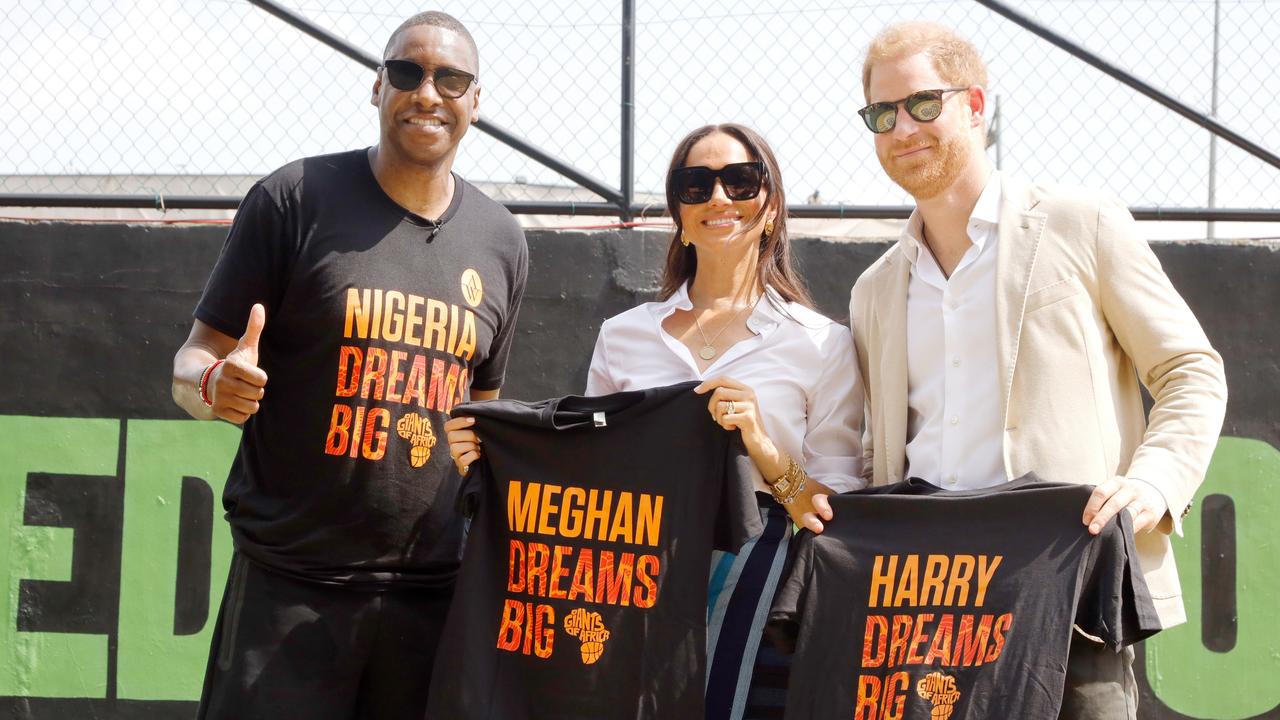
(377, 325)
(918, 603)
(583, 590)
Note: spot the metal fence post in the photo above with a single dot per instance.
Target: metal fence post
(628, 108)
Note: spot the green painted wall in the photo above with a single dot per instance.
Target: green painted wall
(63, 664)
(1240, 682)
(151, 661)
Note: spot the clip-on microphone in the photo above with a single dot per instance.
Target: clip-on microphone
(435, 228)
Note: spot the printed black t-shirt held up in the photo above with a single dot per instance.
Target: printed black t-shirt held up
(583, 587)
(923, 603)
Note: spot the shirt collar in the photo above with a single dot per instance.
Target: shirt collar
(768, 313)
(987, 209)
(765, 317)
(985, 214)
(679, 300)
(912, 236)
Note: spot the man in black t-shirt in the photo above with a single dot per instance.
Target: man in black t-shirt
(917, 603)
(376, 290)
(585, 577)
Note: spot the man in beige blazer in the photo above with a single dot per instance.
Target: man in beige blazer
(1008, 329)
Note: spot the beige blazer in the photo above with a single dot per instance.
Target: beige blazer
(1083, 313)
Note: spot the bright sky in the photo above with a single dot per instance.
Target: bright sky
(220, 87)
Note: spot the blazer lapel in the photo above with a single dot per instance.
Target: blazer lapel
(1019, 240)
(891, 316)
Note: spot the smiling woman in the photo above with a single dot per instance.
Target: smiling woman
(734, 313)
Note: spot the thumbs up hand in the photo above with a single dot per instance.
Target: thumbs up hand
(247, 348)
(238, 384)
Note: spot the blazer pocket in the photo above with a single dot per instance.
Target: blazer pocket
(1054, 292)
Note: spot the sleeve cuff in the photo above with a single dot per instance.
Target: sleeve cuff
(1174, 518)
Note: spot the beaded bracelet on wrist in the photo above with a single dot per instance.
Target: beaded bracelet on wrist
(203, 388)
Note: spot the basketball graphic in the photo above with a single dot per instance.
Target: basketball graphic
(417, 430)
(419, 454)
(472, 288)
(589, 628)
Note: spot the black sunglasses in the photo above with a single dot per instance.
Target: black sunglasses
(924, 106)
(407, 76)
(741, 181)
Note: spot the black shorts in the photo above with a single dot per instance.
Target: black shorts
(287, 648)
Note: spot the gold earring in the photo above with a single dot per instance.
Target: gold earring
(768, 227)
(684, 240)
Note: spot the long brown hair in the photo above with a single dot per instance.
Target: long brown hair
(775, 268)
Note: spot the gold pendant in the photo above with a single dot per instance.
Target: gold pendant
(707, 352)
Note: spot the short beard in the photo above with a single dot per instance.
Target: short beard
(928, 180)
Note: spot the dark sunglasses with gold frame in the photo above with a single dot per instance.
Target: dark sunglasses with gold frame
(923, 106)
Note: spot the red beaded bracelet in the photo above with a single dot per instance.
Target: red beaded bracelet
(204, 382)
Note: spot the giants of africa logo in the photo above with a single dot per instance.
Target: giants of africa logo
(940, 690)
(589, 628)
(417, 430)
(472, 288)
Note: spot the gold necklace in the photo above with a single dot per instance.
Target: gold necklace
(708, 349)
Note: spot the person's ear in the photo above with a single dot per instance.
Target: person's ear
(475, 106)
(977, 103)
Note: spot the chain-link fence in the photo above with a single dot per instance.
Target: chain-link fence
(200, 97)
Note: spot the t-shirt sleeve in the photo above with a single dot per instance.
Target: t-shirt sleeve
(1116, 604)
(252, 268)
(783, 627)
(738, 519)
(490, 374)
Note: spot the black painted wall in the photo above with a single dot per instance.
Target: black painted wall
(96, 311)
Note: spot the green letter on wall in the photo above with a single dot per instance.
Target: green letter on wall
(46, 664)
(1188, 677)
(155, 664)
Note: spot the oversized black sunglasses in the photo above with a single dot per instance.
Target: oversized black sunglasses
(407, 76)
(694, 185)
(924, 106)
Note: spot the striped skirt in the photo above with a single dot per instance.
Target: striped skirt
(747, 679)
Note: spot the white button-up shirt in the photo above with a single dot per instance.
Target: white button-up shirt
(955, 431)
(800, 364)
